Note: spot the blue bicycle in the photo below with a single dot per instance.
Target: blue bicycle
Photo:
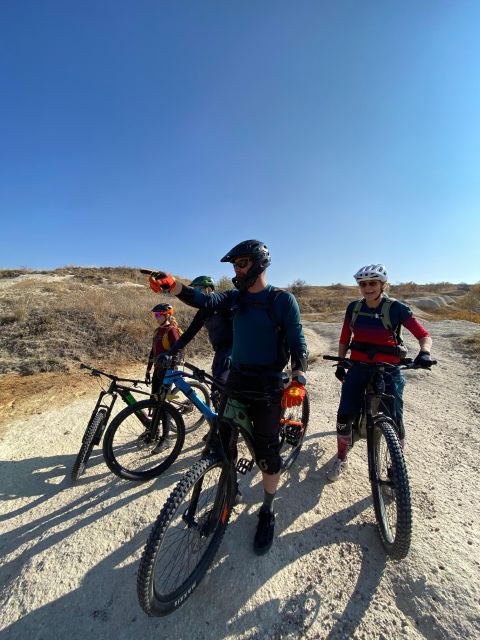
(188, 532)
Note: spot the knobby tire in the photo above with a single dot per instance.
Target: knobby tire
(173, 542)
(91, 437)
(396, 539)
(135, 459)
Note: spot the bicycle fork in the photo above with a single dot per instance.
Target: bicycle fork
(372, 467)
(206, 524)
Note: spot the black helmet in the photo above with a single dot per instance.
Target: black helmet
(258, 252)
(203, 282)
(167, 309)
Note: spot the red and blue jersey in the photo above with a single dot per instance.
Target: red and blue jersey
(369, 329)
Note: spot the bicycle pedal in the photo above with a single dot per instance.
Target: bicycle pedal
(293, 433)
(244, 465)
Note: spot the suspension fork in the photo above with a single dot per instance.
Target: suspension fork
(372, 471)
(220, 508)
(111, 391)
(97, 406)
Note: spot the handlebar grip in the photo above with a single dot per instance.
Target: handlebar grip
(335, 358)
(148, 272)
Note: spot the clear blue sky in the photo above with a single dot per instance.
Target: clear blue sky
(160, 133)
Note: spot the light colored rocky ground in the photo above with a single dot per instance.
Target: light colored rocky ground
(70, 553)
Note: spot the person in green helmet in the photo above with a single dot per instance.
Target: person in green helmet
(219, 328)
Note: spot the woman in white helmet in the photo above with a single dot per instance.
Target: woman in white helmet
(371, 331)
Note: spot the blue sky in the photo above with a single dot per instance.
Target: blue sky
(160, 134)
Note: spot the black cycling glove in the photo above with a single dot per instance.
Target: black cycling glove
(340, 373)
(423, 360)
(163, 360)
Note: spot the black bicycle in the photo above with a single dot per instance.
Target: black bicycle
(144, 439)
(101, 414)
(386, 463)
(187, 534)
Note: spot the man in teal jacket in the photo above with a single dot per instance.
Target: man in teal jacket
(266, 331)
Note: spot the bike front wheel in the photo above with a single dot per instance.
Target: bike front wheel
(91, 437)
(192, 417)
(391, 491)
(186, 536)
(143, 440)
(293, 427)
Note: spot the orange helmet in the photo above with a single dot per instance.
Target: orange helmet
(163, 309)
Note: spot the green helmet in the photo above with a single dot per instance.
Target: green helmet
(203, 282)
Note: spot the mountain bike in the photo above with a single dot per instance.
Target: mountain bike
(187, 534)
(101, 414)
(144, 439)
(386, 463)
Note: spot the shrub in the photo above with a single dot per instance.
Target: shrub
(298, 287)
(224, 284)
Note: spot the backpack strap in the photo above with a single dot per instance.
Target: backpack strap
(273, 296)
(355, 311)
(387, 321)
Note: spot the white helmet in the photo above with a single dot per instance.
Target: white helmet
(371, 272)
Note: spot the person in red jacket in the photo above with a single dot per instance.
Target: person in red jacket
(370, 338)
(165, 336)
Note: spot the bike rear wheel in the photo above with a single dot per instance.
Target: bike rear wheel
(186, 536)
(293, 427)
(91, 437)
(192, 417)
(391, 494)
(143, 440)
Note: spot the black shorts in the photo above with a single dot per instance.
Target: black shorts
(264, 412)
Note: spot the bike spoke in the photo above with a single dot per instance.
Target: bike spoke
(185, 543)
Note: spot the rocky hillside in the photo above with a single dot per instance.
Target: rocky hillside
(52, 320)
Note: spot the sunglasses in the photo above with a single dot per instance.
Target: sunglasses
(159, 314)
(241, 263)
(370, 283)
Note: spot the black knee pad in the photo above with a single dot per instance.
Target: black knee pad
(268, 459)
(270, 466)
(345, 424)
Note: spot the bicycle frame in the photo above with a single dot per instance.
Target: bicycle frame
(114, 390)
(175, 378)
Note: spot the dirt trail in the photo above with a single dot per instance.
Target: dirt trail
(70, 553)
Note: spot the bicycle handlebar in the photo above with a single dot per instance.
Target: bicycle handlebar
(147, 272)
(407, 363)
(203, 376)
(99, 372)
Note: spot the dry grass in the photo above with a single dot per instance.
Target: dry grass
(472, 343)
(92, 317)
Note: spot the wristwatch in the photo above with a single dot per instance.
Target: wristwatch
(301, 380)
